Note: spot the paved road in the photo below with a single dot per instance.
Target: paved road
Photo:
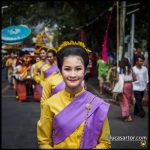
(19, 122)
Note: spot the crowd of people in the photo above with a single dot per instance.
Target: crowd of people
(57, 79)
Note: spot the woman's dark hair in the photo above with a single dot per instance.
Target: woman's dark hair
(72, 50)
(52, 51)
(125, 65)
(43, 48)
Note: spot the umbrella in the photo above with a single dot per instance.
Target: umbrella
(15, 34)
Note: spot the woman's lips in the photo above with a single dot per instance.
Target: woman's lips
(72, 80)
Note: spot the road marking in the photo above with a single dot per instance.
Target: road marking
(5, 89)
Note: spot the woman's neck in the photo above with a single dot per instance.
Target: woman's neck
(73, 91)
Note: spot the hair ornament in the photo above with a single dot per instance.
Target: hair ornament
(69, 43)
(43, 47)
(53, 49)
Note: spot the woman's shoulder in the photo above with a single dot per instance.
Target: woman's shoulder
(102, 101)
(54, 77)
(97, 98)
(55, 99)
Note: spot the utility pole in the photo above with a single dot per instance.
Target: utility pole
(132, 38)
(117, 7)
(132, 34)
(122, 30)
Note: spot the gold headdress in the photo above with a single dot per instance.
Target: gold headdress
(43, 47)
(68, 43)
(53, 49)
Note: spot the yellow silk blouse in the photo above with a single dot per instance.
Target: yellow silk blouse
(51, 108)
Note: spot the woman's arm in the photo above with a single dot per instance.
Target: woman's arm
(104, 142)
(44, 129)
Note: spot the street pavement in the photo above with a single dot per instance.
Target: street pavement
(19, 121)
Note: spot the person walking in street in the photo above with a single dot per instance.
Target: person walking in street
(102, 73)
(140, 85)
(73, 118)
(126, 96)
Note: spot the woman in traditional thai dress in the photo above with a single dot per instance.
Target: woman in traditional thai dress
(74, 117)
(51, 67)
(52, 85)
(37, 73)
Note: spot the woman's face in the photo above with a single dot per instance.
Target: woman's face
(50, 58)
(43, 54)
(73, 71)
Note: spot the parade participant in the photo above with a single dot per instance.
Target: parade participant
(9, 66)
(37, 71)
(140, 85)
(50, 68)
(74, 117)
(34, 87)
(34, 61)
(52, 85)
(28, 81)
(20, 73)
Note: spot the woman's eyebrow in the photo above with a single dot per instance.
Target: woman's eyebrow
(71, 66)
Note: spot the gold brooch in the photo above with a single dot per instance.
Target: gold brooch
(88, 106)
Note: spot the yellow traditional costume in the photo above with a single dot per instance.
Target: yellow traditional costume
(76, 121)
(53, 107)
(44, 68)
(37, 79)
(36, 72)
(49, 85)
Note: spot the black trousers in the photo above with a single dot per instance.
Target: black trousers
(138, 108)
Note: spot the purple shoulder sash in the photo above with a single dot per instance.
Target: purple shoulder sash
(74, 114)
(94, 123)
(59, 87)
(39, 69)
(50, 70)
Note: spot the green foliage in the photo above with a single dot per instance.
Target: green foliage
(70, 16)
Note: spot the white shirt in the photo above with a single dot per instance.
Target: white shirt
(142, 78)
(127, 77)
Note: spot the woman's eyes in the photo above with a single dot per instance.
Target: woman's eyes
(69, 69)
(78, 68)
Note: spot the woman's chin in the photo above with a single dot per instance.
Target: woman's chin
(73, 85)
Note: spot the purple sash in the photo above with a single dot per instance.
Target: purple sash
(39, 69)
(39, 87)
(50, 70)
(59, 87)
(94, 123)
(74, 114)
